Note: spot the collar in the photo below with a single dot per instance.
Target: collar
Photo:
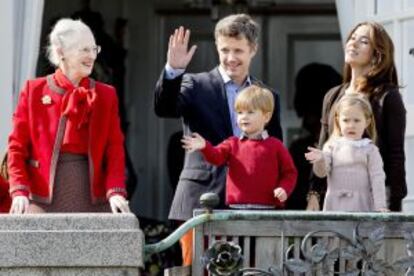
(54, 86)
(356, 143)
(262, 136)
(62, 81)
(227, 79)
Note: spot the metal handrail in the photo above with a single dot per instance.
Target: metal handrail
(223, 215)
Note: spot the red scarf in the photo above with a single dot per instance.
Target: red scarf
(77, 105)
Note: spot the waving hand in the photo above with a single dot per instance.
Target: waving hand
(178, 55)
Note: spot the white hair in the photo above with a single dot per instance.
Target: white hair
(62, 37)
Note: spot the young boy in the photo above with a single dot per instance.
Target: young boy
(261, 173)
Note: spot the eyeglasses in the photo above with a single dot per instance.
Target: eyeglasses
(87, 50)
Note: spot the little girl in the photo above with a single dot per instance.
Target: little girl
(353, 164)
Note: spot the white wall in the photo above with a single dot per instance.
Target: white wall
(6, 70)
(346, 16)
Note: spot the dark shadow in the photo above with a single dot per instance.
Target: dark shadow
(175, 158)
(154, 232)
(312, 82)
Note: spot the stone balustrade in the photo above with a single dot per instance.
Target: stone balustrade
(70, 244)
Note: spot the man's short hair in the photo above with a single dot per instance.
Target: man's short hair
(255, 97)
(237, 26)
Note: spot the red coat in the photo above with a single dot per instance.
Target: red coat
(5, 200)
(34, 146)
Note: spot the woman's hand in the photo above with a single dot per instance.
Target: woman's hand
(313, 155)
(119, 204)
(193, 142)
(280, 194)
(19, 205)
(313, 202)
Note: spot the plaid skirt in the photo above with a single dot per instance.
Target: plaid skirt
(72, 189)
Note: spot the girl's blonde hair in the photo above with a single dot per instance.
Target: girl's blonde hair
(255, 97)
(361, 102)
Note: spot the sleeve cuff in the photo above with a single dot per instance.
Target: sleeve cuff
(19, 193)
(116, 191)
(171, 73)
(207, 147)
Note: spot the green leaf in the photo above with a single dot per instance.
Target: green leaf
(370, 273)
(350, 253)
(404, 263)
(297, 265)
(377, 235)
(408, 236)
(351, 273)
(318, 252)
(332, 256)
(371, 247)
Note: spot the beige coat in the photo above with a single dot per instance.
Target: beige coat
(356, 178)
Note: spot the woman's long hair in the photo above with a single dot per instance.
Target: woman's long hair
(383, 71)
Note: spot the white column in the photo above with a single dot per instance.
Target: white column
(28, 16)
(20, 20)
(6, 70)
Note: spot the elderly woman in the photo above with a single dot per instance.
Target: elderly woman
(66, 147)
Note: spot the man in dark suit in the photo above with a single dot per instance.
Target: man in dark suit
(205, 102)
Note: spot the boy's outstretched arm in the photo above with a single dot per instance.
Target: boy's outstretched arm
(193, 142)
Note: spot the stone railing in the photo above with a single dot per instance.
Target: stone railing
(70, 244)
(303, 243)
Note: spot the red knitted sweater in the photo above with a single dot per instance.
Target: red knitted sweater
(255, 169)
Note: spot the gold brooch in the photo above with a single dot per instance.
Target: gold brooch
(46, 100)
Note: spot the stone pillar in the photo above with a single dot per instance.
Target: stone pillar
(70, 244)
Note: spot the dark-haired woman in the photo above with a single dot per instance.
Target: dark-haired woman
(370, 70)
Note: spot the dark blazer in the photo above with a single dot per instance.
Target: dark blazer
(201, 101)
(390, 120)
